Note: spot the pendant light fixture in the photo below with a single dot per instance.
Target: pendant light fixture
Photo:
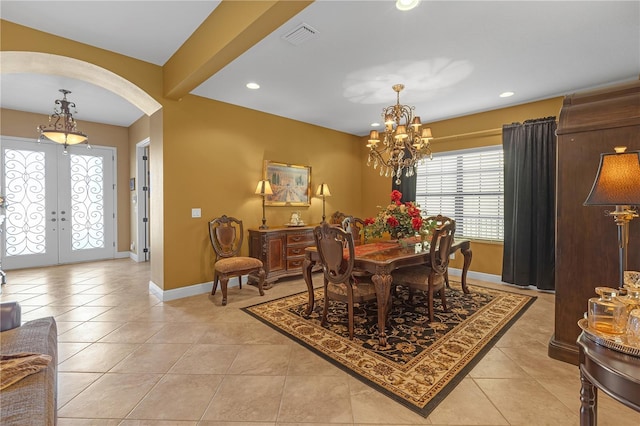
(62, 127)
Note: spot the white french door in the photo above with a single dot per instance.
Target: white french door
(60, 206)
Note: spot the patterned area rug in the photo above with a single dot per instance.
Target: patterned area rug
(423, 361)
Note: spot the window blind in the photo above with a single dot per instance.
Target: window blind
(468, 186)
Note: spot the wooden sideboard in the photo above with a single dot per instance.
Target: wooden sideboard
(281, 250)
(590, 123)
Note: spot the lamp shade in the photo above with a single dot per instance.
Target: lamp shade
(323, 190)
(617, 181)
(264, 188)
(70, 138)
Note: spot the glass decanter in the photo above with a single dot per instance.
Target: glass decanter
(606, 313)
(631, 300)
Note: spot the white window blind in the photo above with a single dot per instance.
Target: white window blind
(467, 186)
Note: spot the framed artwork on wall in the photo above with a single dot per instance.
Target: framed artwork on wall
(291, 184)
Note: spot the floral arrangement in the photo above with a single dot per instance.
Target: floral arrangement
(400, 220)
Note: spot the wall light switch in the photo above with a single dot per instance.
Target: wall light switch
(196, 213)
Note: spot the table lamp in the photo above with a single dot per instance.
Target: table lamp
(263, 189)
(323, 191)
(617, 184)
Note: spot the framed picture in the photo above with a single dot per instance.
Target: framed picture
(291, 184)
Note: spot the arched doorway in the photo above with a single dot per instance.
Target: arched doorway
(43, 63)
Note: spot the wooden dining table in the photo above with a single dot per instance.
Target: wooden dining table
(380, 259)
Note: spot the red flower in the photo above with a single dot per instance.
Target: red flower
(416, 223)
(396, 196)
(392, 222)
(412, 210)
(369, 221)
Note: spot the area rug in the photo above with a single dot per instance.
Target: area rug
(423, 361)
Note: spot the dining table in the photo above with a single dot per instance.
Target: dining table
(380, 259)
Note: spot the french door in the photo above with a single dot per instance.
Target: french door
(60, 207)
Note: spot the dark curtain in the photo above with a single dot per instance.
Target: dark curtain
(407, 185)
(529, 203)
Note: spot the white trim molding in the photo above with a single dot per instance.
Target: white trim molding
(192, 290)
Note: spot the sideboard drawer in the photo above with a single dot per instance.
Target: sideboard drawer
(300, 238)
(295, 264)
(296, 251)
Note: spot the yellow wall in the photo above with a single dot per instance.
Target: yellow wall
(215, 160)
(463, 133)
(23, 125)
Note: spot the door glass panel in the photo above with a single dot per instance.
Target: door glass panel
(87, 202)
(25, 191)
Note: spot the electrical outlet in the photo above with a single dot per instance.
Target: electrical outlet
(196, 213)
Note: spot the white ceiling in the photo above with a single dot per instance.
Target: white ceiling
(454, 57)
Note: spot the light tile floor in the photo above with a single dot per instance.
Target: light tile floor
(125, 358)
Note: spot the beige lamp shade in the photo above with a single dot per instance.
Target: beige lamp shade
(426, 134)
(264, 188)
(617, 181)
(323, 190)
(69, 138)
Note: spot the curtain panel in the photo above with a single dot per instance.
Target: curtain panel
(407, 185)
(529, 203)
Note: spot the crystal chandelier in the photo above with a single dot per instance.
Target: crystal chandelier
(62, 127)
(404, 142)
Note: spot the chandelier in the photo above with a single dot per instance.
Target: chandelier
(62, 127)
(404, 142)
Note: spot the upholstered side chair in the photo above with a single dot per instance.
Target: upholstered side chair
(337, 253)
(226, 234)
(431, 277)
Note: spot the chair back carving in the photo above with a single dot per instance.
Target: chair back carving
(331, 242)
(226, 234)
(337, 217)
(441, 242)
(355, 226)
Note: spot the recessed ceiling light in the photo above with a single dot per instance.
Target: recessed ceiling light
(506, 94)
(375, 124)
(253, 86)
(405, 5)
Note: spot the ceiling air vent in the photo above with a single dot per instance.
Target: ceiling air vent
(300, 34)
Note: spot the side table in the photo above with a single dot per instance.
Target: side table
(615, 373)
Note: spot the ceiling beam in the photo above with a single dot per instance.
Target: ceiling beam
(231, 29)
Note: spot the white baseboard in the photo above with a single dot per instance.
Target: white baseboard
(122, 254)
(133, 256)
(192, 290)
(477, 275)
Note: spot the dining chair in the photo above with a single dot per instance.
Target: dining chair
(226, 234)
(439, 220)
(336, 250)
(355, 226)
(337, 217)
(431, 277)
